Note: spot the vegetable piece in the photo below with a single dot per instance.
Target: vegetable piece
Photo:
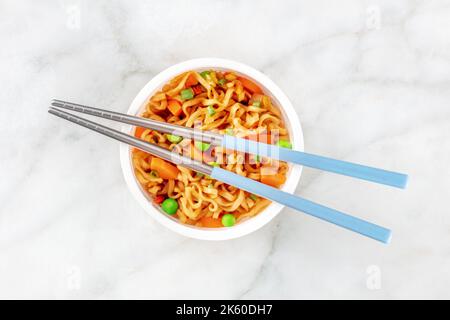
(170, 206)
(284, 144)
(197, 89)
(214, 164)
(274, 180)
(165, 169)
(257, 104)
(173, 138)
(228, 220)
(143, 155)
(174, 107)
(186, 94)
(211, 110)
(204, 74)
(222, 81)
(253, 197)
(199, 175)
(202, 146)
(139, 131)
(210, 222)
(191, 81)
(159, 199)
(250, 85)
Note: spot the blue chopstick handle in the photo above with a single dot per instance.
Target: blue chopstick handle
(390, 178)
(338, 218)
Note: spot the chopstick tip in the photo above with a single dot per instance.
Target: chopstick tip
(388, 238)
(405, 181)
(55, 102)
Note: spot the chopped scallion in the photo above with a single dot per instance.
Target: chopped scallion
(211, 111)
(202, 146)
(187, 94)
(284, 144)
(204, 74)
(173, 138)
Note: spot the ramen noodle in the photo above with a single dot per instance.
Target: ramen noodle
(222, 102)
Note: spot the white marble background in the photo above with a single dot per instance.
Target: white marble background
(370, 81)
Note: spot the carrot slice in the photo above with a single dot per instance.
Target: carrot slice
(210, 222)
(165, 169)
(144, 155)
(139, 131)
(191, 81)
(274, 180)
(174, 107)
(250, 85)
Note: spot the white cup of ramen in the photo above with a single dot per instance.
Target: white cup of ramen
(290, 119)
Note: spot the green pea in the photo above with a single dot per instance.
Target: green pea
(170, 206)
(284, 144)
(228, 220)
(211, 111)
(187, 94)
(202, 146)
(173, 138)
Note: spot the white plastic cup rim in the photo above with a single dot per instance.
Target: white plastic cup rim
(292, 123)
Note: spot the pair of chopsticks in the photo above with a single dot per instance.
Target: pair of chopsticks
(230, 142)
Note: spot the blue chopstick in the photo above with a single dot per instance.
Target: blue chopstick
(394, 179)
(381, 176)
(360, 226)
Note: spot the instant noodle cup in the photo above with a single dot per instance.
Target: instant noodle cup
(256, 90)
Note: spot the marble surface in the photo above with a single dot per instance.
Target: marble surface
(370, 81)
